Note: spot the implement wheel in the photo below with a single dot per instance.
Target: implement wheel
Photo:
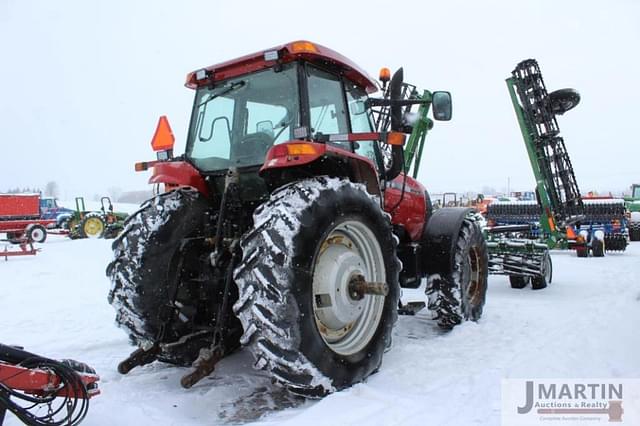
(36, 233)
(546, 273)
(597, 247)
(518, 282)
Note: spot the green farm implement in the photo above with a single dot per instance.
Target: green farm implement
(103, 223)
(633, 207)
(561, 218)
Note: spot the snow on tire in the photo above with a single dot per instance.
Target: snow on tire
(142, 289)
(300, 321)
(460, 294)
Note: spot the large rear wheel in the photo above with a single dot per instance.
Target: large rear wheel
(319, 250)
(93, 225)
(162, 281)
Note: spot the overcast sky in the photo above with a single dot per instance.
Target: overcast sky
(82, 83)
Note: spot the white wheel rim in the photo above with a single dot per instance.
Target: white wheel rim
(37, 234)
(546, 268)
(347, 324)
(473, 284)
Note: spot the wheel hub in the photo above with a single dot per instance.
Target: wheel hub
(93, 227)
(337, 307)
(472, 270)
(37, 234)
(348, 287)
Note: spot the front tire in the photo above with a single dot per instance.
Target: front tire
(460, 294)
(299, 320)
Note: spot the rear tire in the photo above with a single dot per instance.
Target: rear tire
(299, 320)
(634, 232)
(93, 225)
(460, 294)
(147, 285)
(518, 281)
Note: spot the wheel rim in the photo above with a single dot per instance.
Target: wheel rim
(37, 235)
(93, 227)
(472, 270)
(546, 269)
(347, 323)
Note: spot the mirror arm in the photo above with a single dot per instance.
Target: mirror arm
(396, 102)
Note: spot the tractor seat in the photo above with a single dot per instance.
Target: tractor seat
(252, 147)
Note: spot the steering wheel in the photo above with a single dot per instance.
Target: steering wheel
(253, 144)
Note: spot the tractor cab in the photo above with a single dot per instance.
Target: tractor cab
(300, 107)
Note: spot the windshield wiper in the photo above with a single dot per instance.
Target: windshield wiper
(233, 86)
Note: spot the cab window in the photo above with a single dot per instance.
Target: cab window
(326, 104)
(360, 121)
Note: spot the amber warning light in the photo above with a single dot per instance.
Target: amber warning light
(385, 74)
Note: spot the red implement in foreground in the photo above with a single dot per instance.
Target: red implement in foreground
(39, 390)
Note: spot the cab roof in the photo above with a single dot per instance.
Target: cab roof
(301, 49)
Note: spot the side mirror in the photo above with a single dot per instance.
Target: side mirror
(265, 126)
(441, 102)
(358, 107)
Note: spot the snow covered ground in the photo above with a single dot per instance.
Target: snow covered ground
(583, 325)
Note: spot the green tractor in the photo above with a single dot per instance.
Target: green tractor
(633, 207)
(104, 223)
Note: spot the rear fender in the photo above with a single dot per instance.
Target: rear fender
(409, 210)
(317, 159)
(178, 173)
(440, 237)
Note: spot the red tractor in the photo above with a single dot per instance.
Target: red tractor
(290, 224)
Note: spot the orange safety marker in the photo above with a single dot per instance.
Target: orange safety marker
(163, 138)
